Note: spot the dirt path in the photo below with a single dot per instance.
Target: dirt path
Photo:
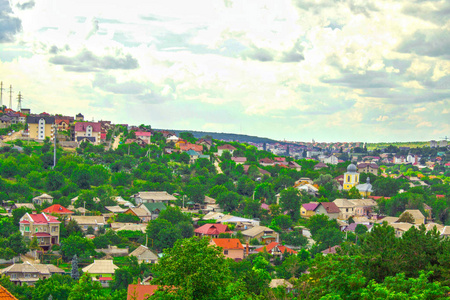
(116, 142)
(13, 136)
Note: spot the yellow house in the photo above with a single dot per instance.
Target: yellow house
(308, 209)
(351, 177)
(40, 127)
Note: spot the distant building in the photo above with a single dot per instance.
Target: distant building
(44, 227)
(79, 117)
(29, 274)
(88, 131)
(153, 197)
(40, 127)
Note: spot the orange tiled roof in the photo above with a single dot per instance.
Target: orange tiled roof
(228, 243)
(5, 294)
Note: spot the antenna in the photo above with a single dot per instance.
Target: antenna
(19, 102)
(1, 94)
(10, 96)
(445, 138)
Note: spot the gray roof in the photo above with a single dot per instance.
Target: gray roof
(156, 196)
(35, 119)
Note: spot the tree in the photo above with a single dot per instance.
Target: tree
(87, 289)
(122, 278)
(54, 181)
(290, 201)
(163, 233)
(353, 193)
(192, 269)
(360, 229)
(78, 245)
(57, 286)
(75, 274)
(406, 217)
(229, 201)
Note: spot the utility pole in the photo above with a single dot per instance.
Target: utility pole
(10, 96)
(19, 102)
(55, 127)
(1, 94)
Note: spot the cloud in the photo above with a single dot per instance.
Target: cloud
(152, 98)
(9, 24)
(26, 5)
(367, 80)
(434, 43)
(294, 55)
(259, 54)
(110, 84)
(86, 61)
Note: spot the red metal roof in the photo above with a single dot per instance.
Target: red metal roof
(226, 147)
(5, 294)
(105, 278)
(57, 209)
(143, 133)
(213, 229)
(43, 218)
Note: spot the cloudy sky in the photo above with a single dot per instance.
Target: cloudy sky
(332, 70)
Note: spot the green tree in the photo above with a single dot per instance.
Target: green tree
(54, 180)
(353, 193)
(76, 245)
(192, 269)
(163, 233)
(58, 286)
(290, 201)
(87, 289)
(122, 278)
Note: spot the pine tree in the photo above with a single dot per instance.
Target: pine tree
(75, 273)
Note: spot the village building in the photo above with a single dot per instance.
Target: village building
(327, 208)
(39, 200)
(143, 254)
(264, 235)
(351, 177)
(153, 197)
(44, 228)
(29, 274)
(232, 248)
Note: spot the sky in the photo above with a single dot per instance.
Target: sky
(328, 70)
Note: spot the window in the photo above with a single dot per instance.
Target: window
(36, 229)
(27, 228)
(348, 178)
(225, 252)
(13, 276)
(346, 210)
(28, 275)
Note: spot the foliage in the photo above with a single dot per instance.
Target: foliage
(76, 245)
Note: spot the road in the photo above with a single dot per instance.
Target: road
(15, 135)
(116, 142)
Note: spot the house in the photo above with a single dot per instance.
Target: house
(331, 159)
(101, 268)
(307, 209)
(266, 162)
(232, 248)
(115, 209)
(327, 208)
(239, 160)
(42, 198)
(143, 254)
(44, 227)
(29, 274)
(205, 142)
(138, 141)
(140, 291)
(85, 222)
(88, 131)
(5, 121)
(130, 227)
(364, 207)
(79, 117)
(263, 234)
(40, 127)
(309, 189)
(188, 146)
(144, 136)
(346, 207)
(58, 209)
(419, 218)
(331, 250)
(275, 283)
(6, 295)
(62, 124)
(212, 230)
(401, 228)
(193, 155)
(154, 209)
(19, 205)
(152, 197)
(294, 165)
(276, 249)
(227, 147)
(320, 166)
(368, 168)
(139, 212)
(351, 227)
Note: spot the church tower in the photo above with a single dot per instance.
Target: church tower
(351, 177)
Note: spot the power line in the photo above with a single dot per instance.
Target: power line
(19, 102)
(10, 96)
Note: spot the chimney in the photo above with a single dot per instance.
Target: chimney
(246, 249)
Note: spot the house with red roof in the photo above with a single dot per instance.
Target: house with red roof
(232, 248)
(143, 135)
(223, 148)
(42, 226)
(276, 248)
(88, 131)
(63, 124)
(188, 146)
(212, 230)
(5, 294)
(266, 162)
(140, 291)
(58, 209)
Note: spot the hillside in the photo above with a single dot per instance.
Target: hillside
(226, 136)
